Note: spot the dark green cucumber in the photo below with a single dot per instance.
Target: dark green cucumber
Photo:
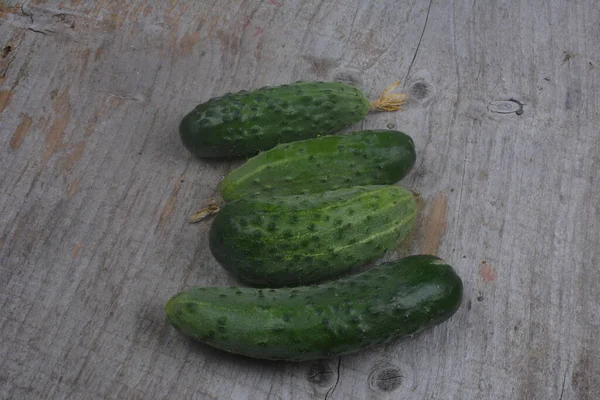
(388, 302)
(301, 239)
(243, 123)
(375, 157)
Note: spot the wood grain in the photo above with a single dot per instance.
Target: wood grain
(96, 190)
(434, 225)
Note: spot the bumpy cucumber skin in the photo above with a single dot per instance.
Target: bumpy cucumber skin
(297, 240)
(374, 157)
(244, 123)
(388, 302)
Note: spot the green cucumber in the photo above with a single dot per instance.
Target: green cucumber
(388, 302)
(244, 123)
(374, 157)
(302, 239)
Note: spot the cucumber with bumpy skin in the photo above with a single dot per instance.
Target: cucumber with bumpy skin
(391, 301)
(373, 157)
(302, 239)
(244, 123)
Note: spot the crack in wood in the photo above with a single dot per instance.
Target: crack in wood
(562, 390)
(332, 389)
(419, 43)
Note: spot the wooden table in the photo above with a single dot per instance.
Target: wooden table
(96, 190)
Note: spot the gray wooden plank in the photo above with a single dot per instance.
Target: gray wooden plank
(96, 190)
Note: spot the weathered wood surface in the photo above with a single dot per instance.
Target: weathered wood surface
(96, 189)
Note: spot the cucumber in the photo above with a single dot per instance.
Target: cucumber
(374, 157)
(244, 123)
(302, 239)
(388, 302)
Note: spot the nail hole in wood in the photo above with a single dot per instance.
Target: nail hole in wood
(6, 51)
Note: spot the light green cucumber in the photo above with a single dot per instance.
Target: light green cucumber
(302, 239)
(374, 157)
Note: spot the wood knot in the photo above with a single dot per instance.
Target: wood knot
(421, 91)
(319, 373)
(386, 379)
(350, 76)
